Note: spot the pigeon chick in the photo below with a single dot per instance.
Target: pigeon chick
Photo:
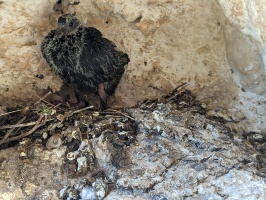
(83, 58)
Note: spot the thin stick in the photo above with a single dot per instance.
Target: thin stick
(116, 111)
(52, 105)
(57, 105)
(20, 125)
(70, 113)
(80, 110)
(10, 131)
(10, 112)
(42, 98)
(37, 125)
(174, 94)
(181, 85)
(156, 88)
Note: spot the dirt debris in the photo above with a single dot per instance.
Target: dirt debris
(162, 149)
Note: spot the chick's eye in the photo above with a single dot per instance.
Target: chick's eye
(71, 24)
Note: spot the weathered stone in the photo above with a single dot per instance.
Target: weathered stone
(199, 42)
(176, 154)
(245, 49)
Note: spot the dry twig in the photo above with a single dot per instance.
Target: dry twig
(70, 113)
(38, 124)
(118, 112)
(42, 98)
(176, 91)
(82, 109)
(15, 111)
(10, 131)
(21, 125)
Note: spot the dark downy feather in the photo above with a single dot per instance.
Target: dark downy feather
(83, 58)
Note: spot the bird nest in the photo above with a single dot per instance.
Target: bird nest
(44, 117)
(56, 125)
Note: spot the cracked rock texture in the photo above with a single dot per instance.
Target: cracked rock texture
(175, 154)
(217, 46)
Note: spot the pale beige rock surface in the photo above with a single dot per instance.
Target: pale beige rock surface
(215, 46)
(245, 48)
(20, 177)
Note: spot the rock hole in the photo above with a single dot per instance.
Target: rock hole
(145, 63)
(137, 20)
(40, 76)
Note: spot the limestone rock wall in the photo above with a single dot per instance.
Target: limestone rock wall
(206, 43)
(246, 53)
